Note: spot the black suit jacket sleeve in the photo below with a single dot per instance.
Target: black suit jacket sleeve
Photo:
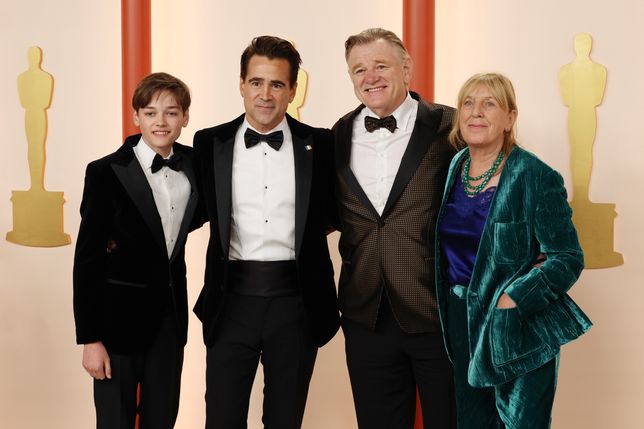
(91, 256)
(201, 212)
(325, 163)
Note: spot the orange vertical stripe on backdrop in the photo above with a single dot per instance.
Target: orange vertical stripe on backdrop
(136, 56)
(136, 60)
(418, 36)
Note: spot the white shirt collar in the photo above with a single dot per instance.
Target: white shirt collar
(282, 126)
(402, 114)
(146, 154)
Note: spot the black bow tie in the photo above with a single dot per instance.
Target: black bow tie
(372, 124)
(174, 162)
(273, 139)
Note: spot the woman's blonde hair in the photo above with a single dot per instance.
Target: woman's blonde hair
(502, 91)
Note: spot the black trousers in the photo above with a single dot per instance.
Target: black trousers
(385, 367)
(158, 371)
(272, 330)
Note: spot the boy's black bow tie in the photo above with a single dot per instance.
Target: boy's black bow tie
(174, 162)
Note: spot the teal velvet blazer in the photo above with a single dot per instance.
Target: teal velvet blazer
(528, 215)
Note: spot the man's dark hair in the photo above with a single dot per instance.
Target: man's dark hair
(273, 48)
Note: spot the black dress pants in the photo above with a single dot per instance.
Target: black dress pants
(158, 371)
(272, 330)
(385, 367)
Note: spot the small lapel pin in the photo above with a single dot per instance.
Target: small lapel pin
(308, 147)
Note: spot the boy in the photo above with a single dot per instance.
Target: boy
(130, 300)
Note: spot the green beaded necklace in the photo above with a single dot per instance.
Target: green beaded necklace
(472, 190)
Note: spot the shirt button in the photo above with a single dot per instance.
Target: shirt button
(265, 220)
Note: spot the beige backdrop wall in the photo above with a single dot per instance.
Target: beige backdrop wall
(42, 384)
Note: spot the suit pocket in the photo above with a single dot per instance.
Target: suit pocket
(510, 242)
(511, 338)
(124, 283)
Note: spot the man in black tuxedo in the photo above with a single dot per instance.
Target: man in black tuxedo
(267, 187)
(392, 157)
(130, 301)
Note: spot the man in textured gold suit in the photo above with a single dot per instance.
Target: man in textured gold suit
(392, 157)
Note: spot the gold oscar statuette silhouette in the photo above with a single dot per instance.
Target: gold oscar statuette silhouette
(37, 213)
(582, 83)
(300, 94)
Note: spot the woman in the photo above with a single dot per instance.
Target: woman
(507, 252)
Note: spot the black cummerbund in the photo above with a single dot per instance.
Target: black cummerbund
(262, 278)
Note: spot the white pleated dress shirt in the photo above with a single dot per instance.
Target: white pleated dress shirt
(376, 156)
(171, 190)
(263, 199)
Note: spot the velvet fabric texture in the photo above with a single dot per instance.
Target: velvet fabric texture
(461, 229)
(124, 282)
(528, 215)
(524, 402)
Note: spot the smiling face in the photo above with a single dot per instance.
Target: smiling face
(482, 119)
(160, 122)
(266, 92)
(380, 75)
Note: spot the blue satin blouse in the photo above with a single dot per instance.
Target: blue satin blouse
(460, 231)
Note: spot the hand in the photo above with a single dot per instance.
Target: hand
(96, 361)
(505, 302)
(541, 258)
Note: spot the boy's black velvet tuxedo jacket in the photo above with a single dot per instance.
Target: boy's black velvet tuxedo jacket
(124, 282)
(314, 210)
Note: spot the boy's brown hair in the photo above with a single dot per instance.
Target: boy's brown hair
(154, 84)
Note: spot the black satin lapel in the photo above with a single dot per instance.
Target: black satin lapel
(190, 211)
(137, 187)
(343, 142)
(223, 173)
(353, 184)
(422, 137)
(343, 166)
(303, 157)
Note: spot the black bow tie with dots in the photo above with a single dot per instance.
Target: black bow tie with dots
(372, 124)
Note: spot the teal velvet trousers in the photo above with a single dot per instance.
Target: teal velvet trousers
(522, 403)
